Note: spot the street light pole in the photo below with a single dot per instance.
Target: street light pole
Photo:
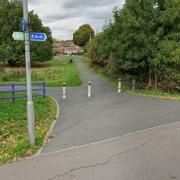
(30, 105)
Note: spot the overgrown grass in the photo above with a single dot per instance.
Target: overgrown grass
(13, 127)
(113, 80)
(54, 73)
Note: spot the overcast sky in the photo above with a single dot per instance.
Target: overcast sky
(65, 16)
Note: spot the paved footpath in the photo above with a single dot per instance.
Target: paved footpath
(105, 115)
(90, 142)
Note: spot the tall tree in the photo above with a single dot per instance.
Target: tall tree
(11, 13)
(83, 35)
(143, 43)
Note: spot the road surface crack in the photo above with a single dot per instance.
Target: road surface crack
(105, 162)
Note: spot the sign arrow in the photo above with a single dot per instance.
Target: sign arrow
(18, 36)
(23, 25)
(33, 36)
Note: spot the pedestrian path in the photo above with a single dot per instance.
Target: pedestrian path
(106, 114)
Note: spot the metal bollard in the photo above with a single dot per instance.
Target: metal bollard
(89, 89)
(44, 89)
(64, 90)
(119, 85)
(133, 84)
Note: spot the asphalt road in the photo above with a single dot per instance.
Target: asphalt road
(106, 114)
(147, 155)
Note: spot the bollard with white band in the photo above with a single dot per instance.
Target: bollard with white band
(89, 89)
(119, 85)
(64, 90)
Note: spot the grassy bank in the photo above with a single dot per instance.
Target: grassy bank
(126, 87)
(54, 72)
(14, 142)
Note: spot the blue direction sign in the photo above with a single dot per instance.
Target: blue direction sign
(23, 25)
(33, 36)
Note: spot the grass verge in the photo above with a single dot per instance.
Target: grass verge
(126, 87)
(14, 142)
(54, 73)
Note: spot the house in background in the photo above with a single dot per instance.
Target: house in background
(66, 48)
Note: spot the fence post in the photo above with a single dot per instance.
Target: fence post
(44, 89)
(13, 93)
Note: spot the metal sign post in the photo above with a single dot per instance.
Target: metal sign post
(30, 105)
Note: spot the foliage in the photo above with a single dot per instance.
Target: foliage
(143, 43)
(11, 13)
(126, 86)
(54, 73)
(82, 36)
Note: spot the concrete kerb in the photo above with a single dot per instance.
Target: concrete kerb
(51, 127)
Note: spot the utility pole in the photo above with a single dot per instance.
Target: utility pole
(30, 105)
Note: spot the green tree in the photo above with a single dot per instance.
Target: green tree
(142, 43)
(83, 35)
(167, 58)
(11, 13)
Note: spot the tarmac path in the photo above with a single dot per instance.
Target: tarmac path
(106, 114)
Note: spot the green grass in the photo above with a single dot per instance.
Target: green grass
(13, 119)
(13, 127)
(54, 73)
(156, 93)
(126, 87)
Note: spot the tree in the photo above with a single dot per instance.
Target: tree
(83, 35)
(167, 58)
(143, 43)
(11, 13)
(40, 51)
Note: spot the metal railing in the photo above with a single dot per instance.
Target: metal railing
(14, 89)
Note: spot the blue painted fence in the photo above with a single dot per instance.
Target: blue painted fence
(14, 89)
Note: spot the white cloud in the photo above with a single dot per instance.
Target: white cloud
(65, 16)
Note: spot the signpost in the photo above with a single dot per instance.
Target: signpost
(30, 105)
(27, 37)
